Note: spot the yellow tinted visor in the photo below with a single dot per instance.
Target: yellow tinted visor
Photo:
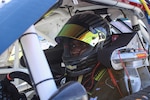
(79, 33)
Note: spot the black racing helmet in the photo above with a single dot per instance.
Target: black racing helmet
(90, 29)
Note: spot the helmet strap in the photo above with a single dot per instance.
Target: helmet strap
(80, 78)
(77, 73)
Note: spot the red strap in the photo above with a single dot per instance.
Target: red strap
(114, 81)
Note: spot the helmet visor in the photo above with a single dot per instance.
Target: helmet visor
(79, 33)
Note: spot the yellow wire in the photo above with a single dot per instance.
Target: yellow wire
(145, 6)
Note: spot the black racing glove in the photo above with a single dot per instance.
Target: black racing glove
(8, 91)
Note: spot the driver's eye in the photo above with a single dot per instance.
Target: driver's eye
(73, 45)
(84, 45)
(77, 44)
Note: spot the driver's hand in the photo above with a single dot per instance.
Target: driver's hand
(8, 91)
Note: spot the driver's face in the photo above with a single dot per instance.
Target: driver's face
(77, 47)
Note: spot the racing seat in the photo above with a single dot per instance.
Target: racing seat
(104, 54)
